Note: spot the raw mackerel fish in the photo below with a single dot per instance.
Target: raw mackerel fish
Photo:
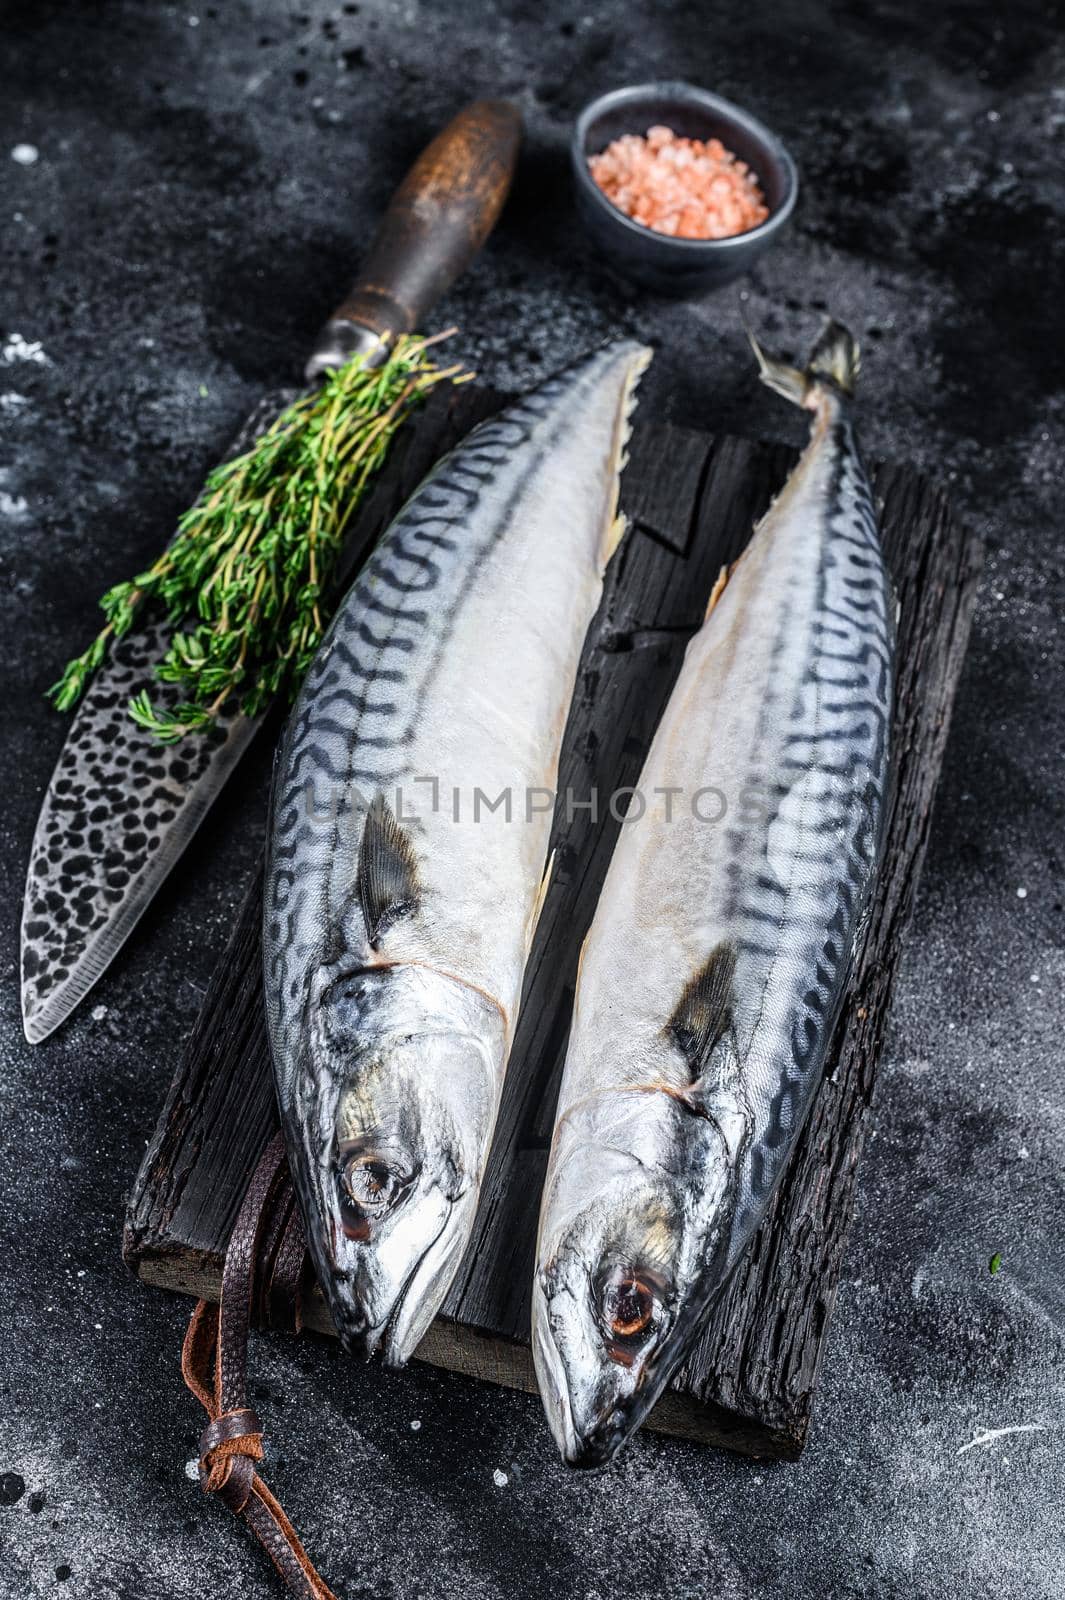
(716, 961)
(409, 837)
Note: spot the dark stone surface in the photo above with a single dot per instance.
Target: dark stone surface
(205, 181)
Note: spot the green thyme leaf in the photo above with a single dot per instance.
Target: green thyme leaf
(245, 578)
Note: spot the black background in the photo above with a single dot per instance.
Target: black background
(206, 181)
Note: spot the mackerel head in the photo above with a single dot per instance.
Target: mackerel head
(409, 837)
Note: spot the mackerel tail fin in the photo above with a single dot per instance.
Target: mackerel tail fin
(835, 358)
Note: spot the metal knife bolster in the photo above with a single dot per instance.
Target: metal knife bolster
(338, 341)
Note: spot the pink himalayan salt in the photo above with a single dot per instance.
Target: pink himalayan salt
(683, 187)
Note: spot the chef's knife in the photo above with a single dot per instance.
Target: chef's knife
(121, 806)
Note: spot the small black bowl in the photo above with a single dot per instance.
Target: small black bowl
(657, 260)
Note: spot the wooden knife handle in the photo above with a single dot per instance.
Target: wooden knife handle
(439, 217)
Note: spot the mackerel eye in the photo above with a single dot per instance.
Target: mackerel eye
(369, 1188)
(629, 1306)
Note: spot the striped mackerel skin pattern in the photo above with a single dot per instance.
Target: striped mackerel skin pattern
(453, 658)
(825, 767)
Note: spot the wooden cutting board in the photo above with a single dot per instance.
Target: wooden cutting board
(692, 501)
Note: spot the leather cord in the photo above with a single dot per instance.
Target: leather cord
(261, 1282)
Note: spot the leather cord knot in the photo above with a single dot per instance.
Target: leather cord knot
(262, 1279)
(233, 1437)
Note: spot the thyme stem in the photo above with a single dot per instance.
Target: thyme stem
(245, 576)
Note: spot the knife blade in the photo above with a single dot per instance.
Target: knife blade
(121, 807)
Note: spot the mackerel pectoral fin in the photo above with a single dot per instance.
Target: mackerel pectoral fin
(704, 1011)
(387, 880)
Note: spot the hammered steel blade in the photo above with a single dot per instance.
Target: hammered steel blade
(119, 811)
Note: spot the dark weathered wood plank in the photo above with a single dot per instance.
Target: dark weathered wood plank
(750, 1383)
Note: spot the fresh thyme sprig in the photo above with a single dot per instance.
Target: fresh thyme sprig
(250, 564)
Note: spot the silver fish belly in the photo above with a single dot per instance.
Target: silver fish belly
(716, 962)
(409, 834)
